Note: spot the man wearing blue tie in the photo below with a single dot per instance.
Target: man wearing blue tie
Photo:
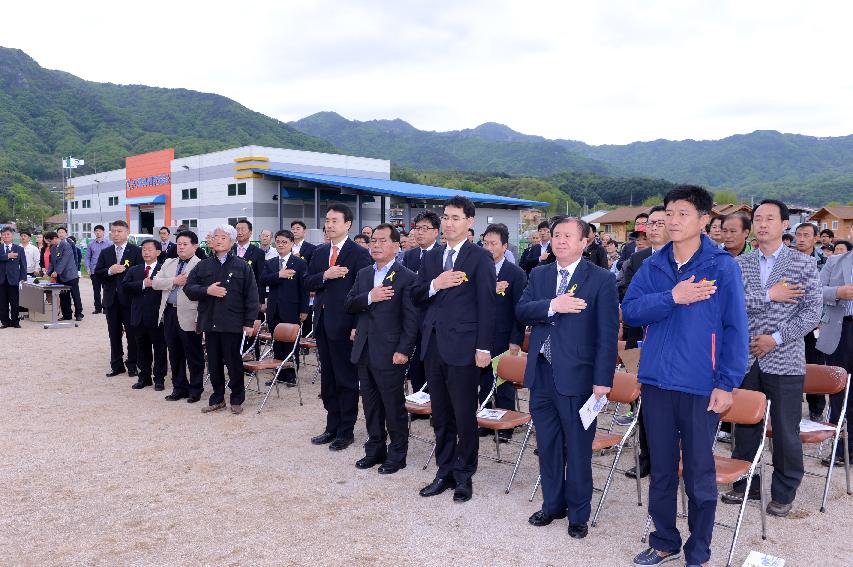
(573, 307)
(13, 269)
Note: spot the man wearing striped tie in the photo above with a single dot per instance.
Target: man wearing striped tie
(573, 307)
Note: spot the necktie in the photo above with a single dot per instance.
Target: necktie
(564, 285)
(147, 270)
(448, 262)
(181, 264)
(173, 293)
(119, 252)
(281, 263)
(334, 257)
(421, 258)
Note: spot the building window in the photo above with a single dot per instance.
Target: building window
(74, 204)
(113, 201)
(608, 228)
(87, 230)
(87, 204)
(835, 225)
(234, 220)
(825, 225)
(191, 223)
(235, 189)
(189, 194)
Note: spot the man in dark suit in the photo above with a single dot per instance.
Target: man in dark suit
(301, 248)
(574, 309)
(539, 253)
(595, 252)
(253, 255)
(387, 322)
(508, 333)
(457, 282)
(224, 286)
(167, 248)
(522, 260)
(331, 274)
(13, 271)
(112, 264)
(427, 224)
(145, 317)
(65, 268)
(287, 301)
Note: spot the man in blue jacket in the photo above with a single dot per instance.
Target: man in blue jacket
(690, 299)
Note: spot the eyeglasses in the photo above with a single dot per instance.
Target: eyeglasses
(656, 224)
(423, 228)
(454, 218)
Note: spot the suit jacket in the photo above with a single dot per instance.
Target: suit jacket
(170, 252)
(630, 268)
(596, 254)
(463, 317)
(288, 297)
(583, 345)
(385, 327)
(531, 260)
(13, 270)
(144, 302)
(628, 250)
(837, 271)
(330, 296)
(63, 262)
(164, 281)
(111, 283)
(254, 256)
(791, 320)
(412, 259)
(306, 250)
(508, 330)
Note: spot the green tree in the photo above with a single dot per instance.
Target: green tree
(652, 200)
(726, 197)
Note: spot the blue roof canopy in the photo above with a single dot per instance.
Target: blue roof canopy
(399, 188)
(149, 200)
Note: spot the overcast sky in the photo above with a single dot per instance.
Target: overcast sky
(600, 72)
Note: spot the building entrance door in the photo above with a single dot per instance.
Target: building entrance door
(146, 222)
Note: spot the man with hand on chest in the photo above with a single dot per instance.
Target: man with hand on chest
(144, 317)
(13, 269)
(387, 324)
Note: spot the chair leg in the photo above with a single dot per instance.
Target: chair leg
(762, 498)
(647, 528)
(637, 468)
(740, 519)
(299, 389)
(431, 454)
(498, 445)
(520, 454)
(844, 435)
(607, 484)
(269, 390)
(535, 488)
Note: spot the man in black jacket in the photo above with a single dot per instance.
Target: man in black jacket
(331, 275)
(227, 294)
(539, 253)
(287, 301)
(113, 262)
(595, 252)
(387, 325)
(144, 317)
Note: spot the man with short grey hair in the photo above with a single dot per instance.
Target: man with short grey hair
(224, 286)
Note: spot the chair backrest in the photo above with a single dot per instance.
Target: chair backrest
(256, 328)
(286, 333)
(511, 368)
(526, 343)
(748, 407)
(626, 388)
(822, 379)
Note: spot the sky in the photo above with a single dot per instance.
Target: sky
(606, 72)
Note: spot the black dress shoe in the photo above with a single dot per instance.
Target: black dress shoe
(644, 471)
(340, 444)
(112, 373)
(193, 399)
(7, 325)
(15, 325)
(540, 518)
(140, 385)
(391, 468)
(437, 486)
(578, 531)
(78, 317)
(463, 492)
(173, 397)
(367, 462)
(323, 438)
(159, 387)
(132, 372)
(97, 312)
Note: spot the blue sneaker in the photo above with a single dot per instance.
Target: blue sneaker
(652, 557)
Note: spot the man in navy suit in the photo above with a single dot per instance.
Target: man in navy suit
(573, 307)
(457, 282)
(167, 247)
(287, 301)
(509, 333)
(425, 232)
(539, 253)
(13, 269)
(145, 317)
(387, 324)
(331, 274)
(113, 263)
(301, 248)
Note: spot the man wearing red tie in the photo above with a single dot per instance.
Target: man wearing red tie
(331, 274)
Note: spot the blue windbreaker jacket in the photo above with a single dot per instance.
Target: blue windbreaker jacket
(690, 348)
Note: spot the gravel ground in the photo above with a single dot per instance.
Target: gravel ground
(94, 473)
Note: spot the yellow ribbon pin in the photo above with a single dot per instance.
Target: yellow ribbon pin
(250, 262)
(127, 262)
(464, 277)
(573, 288)
(501, 292)
(390, 277)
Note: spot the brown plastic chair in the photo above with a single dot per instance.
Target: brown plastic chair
(826, 380)
(748, 408)
(283, 333)
(526, 342)
(510, 369)
(249, 350)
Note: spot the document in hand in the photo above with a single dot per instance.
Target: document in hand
(591, 409)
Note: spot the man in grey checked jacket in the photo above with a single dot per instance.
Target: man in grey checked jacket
(783, 303)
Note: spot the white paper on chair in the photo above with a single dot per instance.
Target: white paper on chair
(808, 426)
(494, 414)
(591, 409)
(420, 398)
(758, 559)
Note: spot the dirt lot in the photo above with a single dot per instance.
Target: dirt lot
(94, 473)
